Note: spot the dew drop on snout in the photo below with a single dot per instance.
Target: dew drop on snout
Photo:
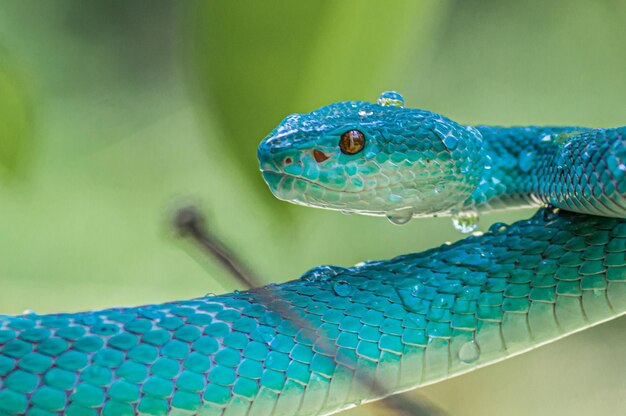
(400, 216)
(469, 352)
(465, 221)
(391, 99)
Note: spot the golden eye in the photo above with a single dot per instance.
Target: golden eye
(352, 142)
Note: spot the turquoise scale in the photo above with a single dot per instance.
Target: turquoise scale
(398, 323)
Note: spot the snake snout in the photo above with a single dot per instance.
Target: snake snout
(267, 161)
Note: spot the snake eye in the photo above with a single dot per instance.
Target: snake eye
(352, 142)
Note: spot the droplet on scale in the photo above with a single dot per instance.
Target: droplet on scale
(465, 221)
(469, 352)
(400, 216)
(526, 160)
(342, 288)
(496, 227)
(391, 98)
(322, 273)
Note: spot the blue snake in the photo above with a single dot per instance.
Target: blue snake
(337, 337)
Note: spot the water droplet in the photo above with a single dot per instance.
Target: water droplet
(29, 312)
(400, 216)
(465, 221)
(415, 290)
(266, 334)
(496, 227)
(546, 138)
(363, 113)
(526, 159)
(550, 213)
(488, 162)
(564, 157)
(209, 295)
(391, 98)
(368, 263)
(342, 288)
(322, 273)
(412, 302)
(469, 352)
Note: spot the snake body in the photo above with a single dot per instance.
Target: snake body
(399, 323)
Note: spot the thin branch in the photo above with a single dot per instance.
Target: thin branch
(189, 222)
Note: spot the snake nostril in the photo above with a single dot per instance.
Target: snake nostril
(319, 156)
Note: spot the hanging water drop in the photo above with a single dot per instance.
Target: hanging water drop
(400, 216)
(391, 98)
(465, 221)
(342, 288)
(29, 312)
(469, 352)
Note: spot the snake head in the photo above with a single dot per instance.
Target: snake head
(373, 159)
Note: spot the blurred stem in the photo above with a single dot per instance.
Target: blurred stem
(189, 222)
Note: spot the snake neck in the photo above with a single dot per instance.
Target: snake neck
(516, 156)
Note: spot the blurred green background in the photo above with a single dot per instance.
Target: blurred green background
(114, 113)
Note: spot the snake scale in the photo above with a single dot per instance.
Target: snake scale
(399, 323)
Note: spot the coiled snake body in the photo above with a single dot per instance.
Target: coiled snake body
(398, 323)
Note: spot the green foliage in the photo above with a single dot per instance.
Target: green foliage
(16, 121)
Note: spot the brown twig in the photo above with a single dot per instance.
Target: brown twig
(189, 222)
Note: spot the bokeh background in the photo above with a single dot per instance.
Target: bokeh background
(115, 113)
